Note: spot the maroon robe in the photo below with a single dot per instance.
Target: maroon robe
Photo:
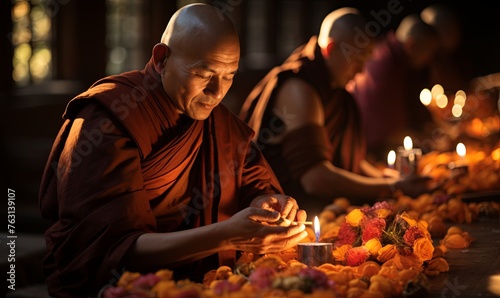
(126, 163)
(340, 140)
(388, 96)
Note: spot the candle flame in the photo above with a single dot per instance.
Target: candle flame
(391, 158)
(425, 97)
(442, 101)
(461, 150)
(316, 227)
(437, 90)
(456, 110)
(408, 143)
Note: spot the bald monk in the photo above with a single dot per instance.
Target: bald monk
(150, 172)
(309, 127)
(388, 89)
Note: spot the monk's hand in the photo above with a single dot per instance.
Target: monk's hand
(286, 206)
(247, 231)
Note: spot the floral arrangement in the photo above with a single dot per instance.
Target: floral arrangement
(379, 251)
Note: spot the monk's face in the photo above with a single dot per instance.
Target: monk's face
(198, 77)
(347, 61)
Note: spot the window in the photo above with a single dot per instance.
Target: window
(31, 37)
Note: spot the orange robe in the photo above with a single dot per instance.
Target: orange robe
(126, 163)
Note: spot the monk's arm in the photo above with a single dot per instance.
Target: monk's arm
(323, 179)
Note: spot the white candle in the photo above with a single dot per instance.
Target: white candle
(407, 158)
(315, 253)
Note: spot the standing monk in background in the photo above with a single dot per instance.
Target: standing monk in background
(150, 172)
(309, 127)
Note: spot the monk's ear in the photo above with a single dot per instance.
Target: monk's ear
(160, 54)
(329, 48)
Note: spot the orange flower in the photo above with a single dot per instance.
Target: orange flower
(354, 217)
(455, 241)
(387, 252)
(408, 219)
(383, 212)
(423, 248)
(339, 253)
(127, 279)
(373, 245)
(407, 261)
(439, 264)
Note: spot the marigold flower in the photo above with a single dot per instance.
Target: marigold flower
(407, 261)
(408, 219)
(354, 217)
(347, 235)
(412, 234)
(423, 248)
(356, 256)
(455, 241)
(373, 245)
(127, 279)
(339, 252)
(386, 253)
(372, 228)
(439, 264)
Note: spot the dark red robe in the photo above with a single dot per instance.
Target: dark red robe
(340, 140)
(126, 163)
(388, 96)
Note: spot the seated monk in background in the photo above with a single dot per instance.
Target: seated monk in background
(309, 127)
(149, 172)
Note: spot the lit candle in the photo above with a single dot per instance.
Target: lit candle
(317, 230)
(391, 159)
(407, 158)
(425, 97)
(459, 167)
(315, 253)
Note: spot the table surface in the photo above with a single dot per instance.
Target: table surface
(471, 268)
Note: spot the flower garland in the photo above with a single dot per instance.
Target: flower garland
(378, 252)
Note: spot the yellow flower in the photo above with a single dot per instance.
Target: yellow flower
(383, 213)
(373, 245)
(354, 217)
(408, 219)
(423, 248)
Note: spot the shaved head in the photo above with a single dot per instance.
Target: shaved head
(344, 44)
(196, 26)
(340, 26)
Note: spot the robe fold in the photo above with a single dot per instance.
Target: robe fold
(340, 140)
(126, 163)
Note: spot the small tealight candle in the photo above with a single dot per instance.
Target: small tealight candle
(315, 253)
(407, 158)
(391, 159)
(459, 167)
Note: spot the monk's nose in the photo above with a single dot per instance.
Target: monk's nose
(215, 88)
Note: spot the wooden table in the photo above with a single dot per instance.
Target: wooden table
(471, 268)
